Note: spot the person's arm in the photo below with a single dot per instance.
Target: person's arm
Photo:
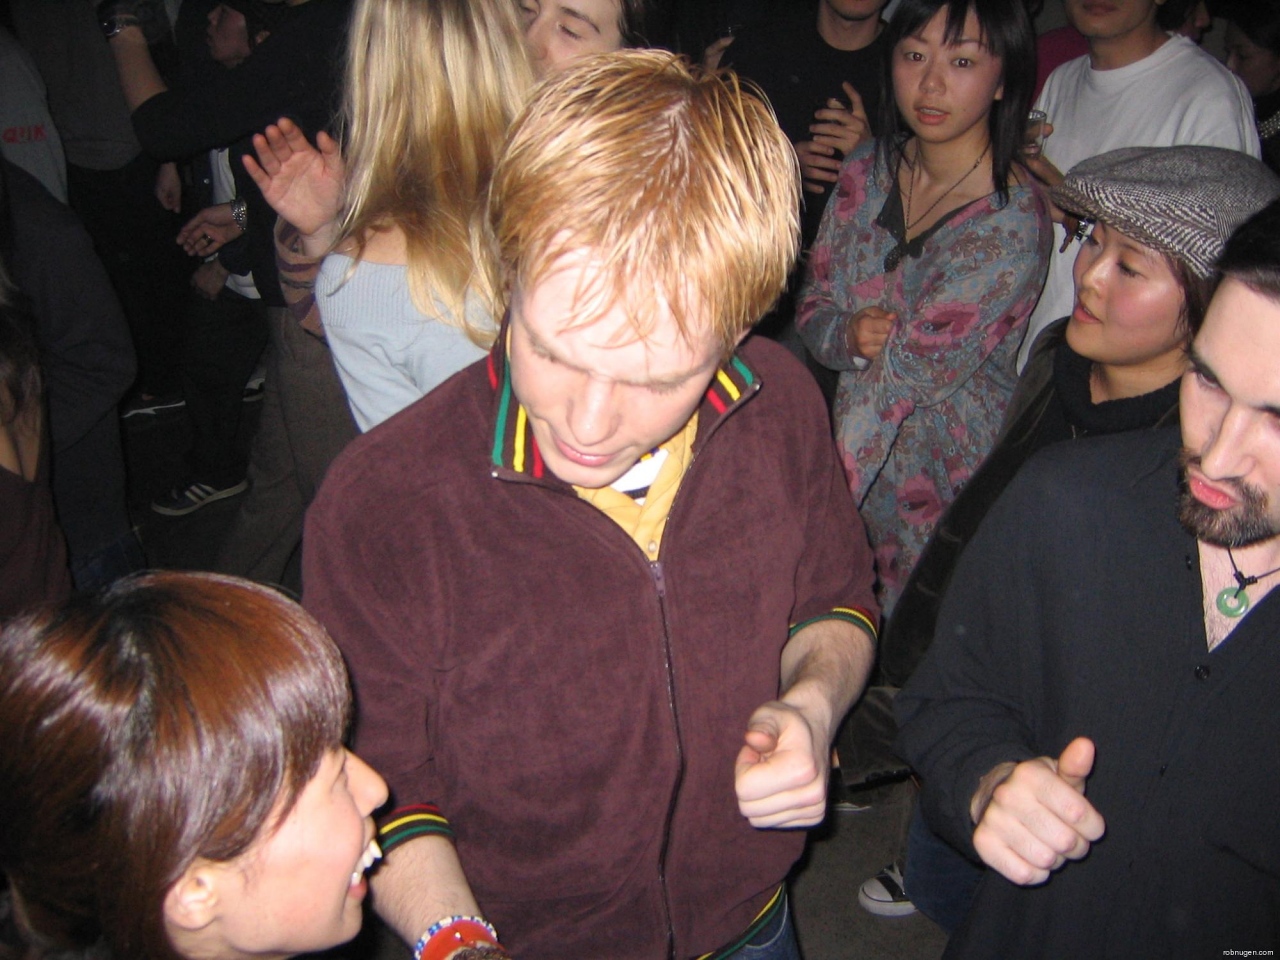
(377, 609)
(980, 713)
(836, 132)
(984, 285)
(298, 273)
(1221, 116)
(418, 884)
(781, 771)
(139, 78)
(86, 352)
(824, 312)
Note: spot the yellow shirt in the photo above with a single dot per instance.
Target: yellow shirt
(644, 522)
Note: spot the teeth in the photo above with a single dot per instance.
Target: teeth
(372, 854)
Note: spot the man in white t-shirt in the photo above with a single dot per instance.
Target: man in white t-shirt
(1137, 87)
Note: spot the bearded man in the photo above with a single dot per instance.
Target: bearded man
(1096, 718)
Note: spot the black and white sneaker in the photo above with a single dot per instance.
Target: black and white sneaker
(884, 894)
(145, 405)
(180, 501)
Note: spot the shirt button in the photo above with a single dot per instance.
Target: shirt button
(653, 546)
(1202, 672)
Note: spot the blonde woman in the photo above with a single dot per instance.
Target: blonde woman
(405, 293)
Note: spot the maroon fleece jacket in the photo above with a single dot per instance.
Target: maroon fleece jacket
(574, 709)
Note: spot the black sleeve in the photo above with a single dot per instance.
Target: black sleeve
(293, 73)
(85, 347)
(965, 711)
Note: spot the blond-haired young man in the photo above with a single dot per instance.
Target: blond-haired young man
(604, 595)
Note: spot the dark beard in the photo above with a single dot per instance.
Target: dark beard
(1238, 527)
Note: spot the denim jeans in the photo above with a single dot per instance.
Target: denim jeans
(939, 880)
(777, 941)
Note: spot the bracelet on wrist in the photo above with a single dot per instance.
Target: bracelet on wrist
(451, 934)
(240, 213)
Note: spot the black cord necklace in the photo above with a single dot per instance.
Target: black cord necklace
(1233, 602)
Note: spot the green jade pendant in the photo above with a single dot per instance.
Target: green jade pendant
(1232, 602)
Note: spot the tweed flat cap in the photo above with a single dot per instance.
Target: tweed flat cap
(1183, 201)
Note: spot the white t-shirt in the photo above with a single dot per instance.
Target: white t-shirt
(1178, 95)
(224, 191)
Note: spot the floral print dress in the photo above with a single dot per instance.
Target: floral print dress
(914, 423)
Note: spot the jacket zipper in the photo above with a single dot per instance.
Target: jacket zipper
(657, 574)
(660, 584)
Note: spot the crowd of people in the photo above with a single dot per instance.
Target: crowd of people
(660, 438)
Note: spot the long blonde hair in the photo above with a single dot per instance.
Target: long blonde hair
(431, 88)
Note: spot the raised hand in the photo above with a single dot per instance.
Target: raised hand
(1032, 817)
(837, 130)
(303, 183)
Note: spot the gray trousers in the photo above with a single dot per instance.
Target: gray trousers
(305, 424)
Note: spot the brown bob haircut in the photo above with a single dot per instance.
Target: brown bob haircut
(675, 179)
(174, 717)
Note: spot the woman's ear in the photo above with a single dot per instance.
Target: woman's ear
(192, 903)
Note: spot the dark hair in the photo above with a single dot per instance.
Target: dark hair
(631, 22)
(1252, 255)
(1196, 294)
(162, 721)
(1258, 21)
(1007, 32)
(1172, 14)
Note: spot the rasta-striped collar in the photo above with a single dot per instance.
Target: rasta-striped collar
(514, 448)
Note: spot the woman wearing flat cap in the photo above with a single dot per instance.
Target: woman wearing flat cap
(1153, 222)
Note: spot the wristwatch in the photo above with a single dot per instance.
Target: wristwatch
(240, 213)
(114, 23)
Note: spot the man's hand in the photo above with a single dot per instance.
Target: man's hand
(1032, 817)
(1049, 175)
(837, 131)
(169, 187)
(868, 331)
(209, 278)
(209, 230)
(781, 772)
(302, 183)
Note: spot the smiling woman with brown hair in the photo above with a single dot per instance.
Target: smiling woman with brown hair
(172, 777)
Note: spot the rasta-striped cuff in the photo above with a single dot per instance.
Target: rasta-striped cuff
(855, 615)
(405, 823)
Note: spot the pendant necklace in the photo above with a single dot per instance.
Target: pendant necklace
(1234, 601)
(894, 257)
(946, 193)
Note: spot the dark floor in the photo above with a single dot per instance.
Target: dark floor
(842, 853)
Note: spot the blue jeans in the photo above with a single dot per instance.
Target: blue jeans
(940, 881)
(776, 941)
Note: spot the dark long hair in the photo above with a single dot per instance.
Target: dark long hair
(161, 721)
(1008, 34)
